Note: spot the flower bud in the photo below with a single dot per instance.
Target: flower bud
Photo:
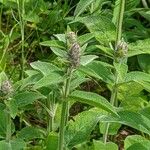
(72, 38)
(6, 88)
(122, 49)
(74, 55)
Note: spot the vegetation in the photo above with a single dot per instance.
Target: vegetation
(74, 75)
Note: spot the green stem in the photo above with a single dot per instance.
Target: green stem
(50, 106)
(120, 21)
(113, 100)
(114, 92)
(145, 3)
(64, 112)
(8, 129)
(21, 11)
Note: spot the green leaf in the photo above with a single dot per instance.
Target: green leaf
(44, 67)
(83, 39)
(92, 99)
(136, 142)
(81, 6)
(12, 108)
(79, 130)
(3, 124)
(25, 98)
(143, 61)
(77, 81)
(59, 52)
(52, 141)
(137, 76)
(99, 145)
(106, 50)
(86, 59)
(133, 119)
(121, 70)
(113, 128)
(5, 146)
(30, 133)
(54, 43)
(139, 47)
(52, 78)
(101, 26)
(99, 70)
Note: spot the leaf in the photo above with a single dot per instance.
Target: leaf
(143, 61)
(108, 146)
(106, 50)
(81, 6)
(59, 52)
(77, 81)
(12, 108)
(87, 59)
(137, 76)
(135, 120)
(25, 98)
(54, 43)
(52, 78)
(79, 130)
(44, 67)
(5, 146)
(139, 47)
(83, 39)
(52, 141)
(17, 144)
(113, 128)
(101, 26)
(92, 99)
(30, 133)
(89, 72)
(3, 124)
(61, 37)
(100, 71)
(136, 142)
(121, 70)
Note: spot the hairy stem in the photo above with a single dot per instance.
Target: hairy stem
(145, 3)
(8, 128)
(114, 92)
(120, 21)
(21, 12)
(50, 106)
(64, 112)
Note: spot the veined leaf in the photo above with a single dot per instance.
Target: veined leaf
(136, 142)
(16, 144)
(81, 6)
(52, 78)
(44, 67)
(99, 145)
(99, 70)
(25, 98)
(137, 76)
(53, 43)
(87, 59)
(29, 133)
(59, 52)
(79, 130)
(139, 47)
(52, 141)
(133, 119)
(92, 99)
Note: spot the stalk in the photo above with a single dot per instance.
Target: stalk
(50, 106)
(65, 111)
(8, 128)
(113, 99)
(144, 3)
(21, 12)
